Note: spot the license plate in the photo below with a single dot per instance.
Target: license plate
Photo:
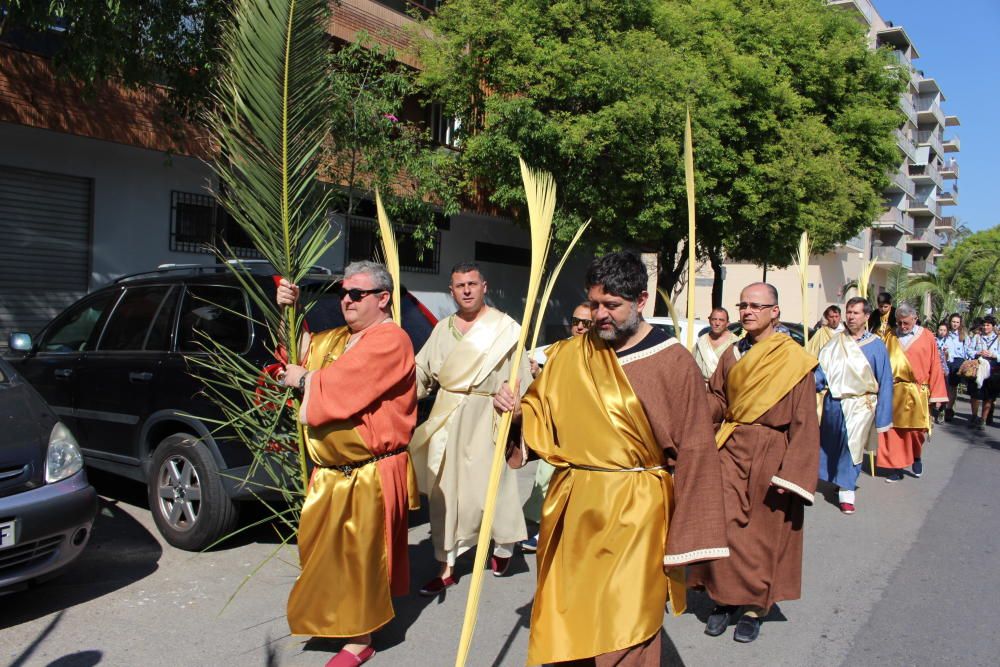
(8, 534)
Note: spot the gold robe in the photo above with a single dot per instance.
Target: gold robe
(819, 340)
(453, 448)
(352, 539)
(607, 532)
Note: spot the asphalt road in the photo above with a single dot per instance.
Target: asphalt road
(911, 579)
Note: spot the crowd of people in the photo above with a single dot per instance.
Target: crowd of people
(659, 469)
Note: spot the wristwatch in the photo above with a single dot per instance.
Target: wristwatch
(302, 382)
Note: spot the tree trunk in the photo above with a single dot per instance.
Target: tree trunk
(716, 261)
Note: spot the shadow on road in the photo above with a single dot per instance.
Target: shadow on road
(121, 551)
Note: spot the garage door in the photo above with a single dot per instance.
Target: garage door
(44, 246)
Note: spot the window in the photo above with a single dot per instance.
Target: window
(213, 312)
(75, 328)
(502, 254)
(363, 243)
(198, 223)
(132, 319)
(444, 129)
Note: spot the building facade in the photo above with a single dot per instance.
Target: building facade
(915, 225)
(96, 184)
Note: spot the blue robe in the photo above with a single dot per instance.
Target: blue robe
(835, 462)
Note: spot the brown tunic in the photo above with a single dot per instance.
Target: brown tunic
(764, 527)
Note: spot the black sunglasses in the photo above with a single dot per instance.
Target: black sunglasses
(356, 294)
(573, 321)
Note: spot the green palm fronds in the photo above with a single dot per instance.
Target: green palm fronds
(269, 123)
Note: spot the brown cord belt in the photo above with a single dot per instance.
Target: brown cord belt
(349, 468)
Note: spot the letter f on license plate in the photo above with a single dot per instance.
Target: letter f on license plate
(7, 533)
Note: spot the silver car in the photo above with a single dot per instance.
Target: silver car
(47, 506)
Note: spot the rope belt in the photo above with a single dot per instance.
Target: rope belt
(468, 392)
(349, 468)
(596, 469)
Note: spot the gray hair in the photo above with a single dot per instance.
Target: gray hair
(380, 277)
(905, 310)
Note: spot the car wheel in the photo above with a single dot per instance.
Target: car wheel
(189, 503)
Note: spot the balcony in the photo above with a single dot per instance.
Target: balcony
(890, 256)
(906, 104)
(923, 207)
(923, 267)
(929, 109)
(926, 173)
(895, 219)
(862, 9)
(949, 168)
(925, 236)
(948, 223)
(948, 197)
(854, 244)
(931, 138)
(952, 144)
(901, 182)
(951, 121)
(905, 143)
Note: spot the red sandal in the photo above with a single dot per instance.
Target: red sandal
(347, 659)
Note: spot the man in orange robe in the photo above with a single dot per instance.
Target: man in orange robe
(360, 409)
(918, 378)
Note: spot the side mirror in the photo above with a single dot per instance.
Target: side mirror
(19, 342)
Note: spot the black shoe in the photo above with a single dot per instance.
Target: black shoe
(917, 468)
(718, 620)
(747, 629)
(973, 422)
(949, 414)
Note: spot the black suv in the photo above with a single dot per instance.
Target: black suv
(113, 367)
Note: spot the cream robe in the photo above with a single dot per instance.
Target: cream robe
(850, 380)
(452, 450)
(707, 357)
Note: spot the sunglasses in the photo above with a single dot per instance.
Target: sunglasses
(756, 307)
(573, 321)
(356, 294)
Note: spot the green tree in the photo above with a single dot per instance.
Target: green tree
(171, 42)
(793, 116)
(970, 268)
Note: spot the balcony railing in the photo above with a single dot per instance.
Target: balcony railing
(948, 197)
(902, 181)
(425, 7)
(924, 266)
(906, 144)
(923, 207)
(949, 168)
(947, 223)
(924, 236)
(924, 172)
(894, 218)
(930, 138)
(862, 7)
(952, 144)
(856, 243)
(930, 104)
(906, 104)
(891, 255)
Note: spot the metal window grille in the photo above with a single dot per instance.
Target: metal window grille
(363, 244)
(198, 224)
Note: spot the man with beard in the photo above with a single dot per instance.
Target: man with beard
(855, 371)
(466, 359)
(764, 395)
(615, 412)
(713, 343)
(918, 380)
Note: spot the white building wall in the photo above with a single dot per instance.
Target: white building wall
(131, 221)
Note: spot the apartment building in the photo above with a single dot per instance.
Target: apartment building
(915, 225)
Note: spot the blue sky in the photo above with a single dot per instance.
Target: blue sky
(959, 45)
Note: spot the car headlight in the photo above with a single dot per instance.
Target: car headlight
(63, 458)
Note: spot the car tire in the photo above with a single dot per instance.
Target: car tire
(186, 496)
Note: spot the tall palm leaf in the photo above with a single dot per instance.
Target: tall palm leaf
(269, 122)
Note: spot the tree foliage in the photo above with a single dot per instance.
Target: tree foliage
(793, 115)
(970, 268)
(171, 42)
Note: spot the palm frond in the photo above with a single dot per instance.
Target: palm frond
(540, 189)
(689, 184)
(391, 252)
(269, 122)
(551, 282)
(802, 268)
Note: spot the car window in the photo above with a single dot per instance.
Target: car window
(131, 320)
(219, 313)
(72, 330)
(163, 325)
